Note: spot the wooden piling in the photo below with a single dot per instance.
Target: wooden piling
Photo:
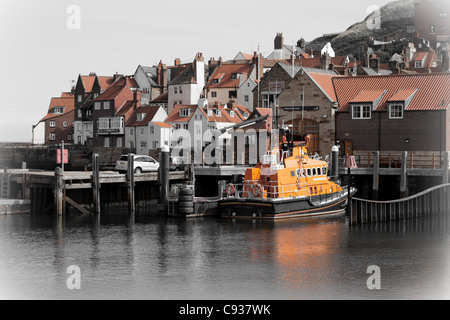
(95, 178)
(58, 193)
(130, 183)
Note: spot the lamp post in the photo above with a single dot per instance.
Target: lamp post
(349, 164)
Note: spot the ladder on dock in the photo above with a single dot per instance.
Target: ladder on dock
(171, 206)
(5, 182)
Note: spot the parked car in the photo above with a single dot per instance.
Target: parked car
(177, 163)
(141, 164)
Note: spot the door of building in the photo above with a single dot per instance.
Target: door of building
(348, 147)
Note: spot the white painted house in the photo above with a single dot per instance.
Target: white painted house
(146, 129)
(186, 87)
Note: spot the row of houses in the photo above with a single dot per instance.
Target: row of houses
(361, 105)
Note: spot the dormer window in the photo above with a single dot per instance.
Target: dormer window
(218, 113)
(216, 81)
(234, 76)
(185, 112)
(361, 111)
(141, 116)
(396, 111)
(231, 113)
(58, 110)
(418, 64)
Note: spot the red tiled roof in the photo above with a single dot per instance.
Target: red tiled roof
(402, 95)
(174, 116)
(368, 95)
(105, 82)
(88, 82)
(323, 80)
(162, 124)
(67, 102)
(433, 90)
(149, 114)
(224, 72)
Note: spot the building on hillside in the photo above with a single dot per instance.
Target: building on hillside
(111, 111)
(232, 81)
(393, 113)
(187, 87)
(59, 120)
(87, 88)
(307, 106)
(146, 129)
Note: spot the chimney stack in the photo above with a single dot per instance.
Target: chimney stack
(278, 42)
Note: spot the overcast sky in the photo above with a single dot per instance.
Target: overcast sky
(40, 54)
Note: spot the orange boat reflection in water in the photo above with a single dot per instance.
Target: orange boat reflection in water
(314, 247)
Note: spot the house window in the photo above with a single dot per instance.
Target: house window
(97, 105)
(142, 131)
(154, 144)
(395, 111)
(246, 98)
(52, 124)
(361, 112)
(69, 137)
(418, 64)
(175, 90)
(186, 126)
(442, 28)
(184, 112)
(234, 76)
(215, 81)
(232, 94)
(80, 113)
(119, 142)
(213, 94)
(58, 110)
(131, 131)
(218, 113)
(143, 144)
(141, 116)
(443, 15)
(152, 129)
(65, 124)
(52, 136)
(231, 113)
(106, 142)
(106, 105)
(432, 29)
(180, 90)
(80, 98)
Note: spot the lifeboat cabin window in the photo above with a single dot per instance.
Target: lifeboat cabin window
(319, 172)
(314, 172)
(308, 172)
(299, 173)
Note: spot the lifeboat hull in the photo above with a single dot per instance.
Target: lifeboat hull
(274, 209)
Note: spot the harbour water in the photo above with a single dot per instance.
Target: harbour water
(118, 256)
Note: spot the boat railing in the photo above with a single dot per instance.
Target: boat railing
(254, 190)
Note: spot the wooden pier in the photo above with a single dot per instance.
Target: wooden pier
(52, 192)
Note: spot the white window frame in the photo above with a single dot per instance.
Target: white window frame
(417, 64)
(80, 98)
(52, 123)
(97, 105)
(52, 136)
(361, 108)
(106, 105)
(393, 112)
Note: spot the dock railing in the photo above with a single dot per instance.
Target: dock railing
(432, 201)
(393, 159)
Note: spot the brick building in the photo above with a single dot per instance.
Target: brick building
(59, 119)
(393, 113)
